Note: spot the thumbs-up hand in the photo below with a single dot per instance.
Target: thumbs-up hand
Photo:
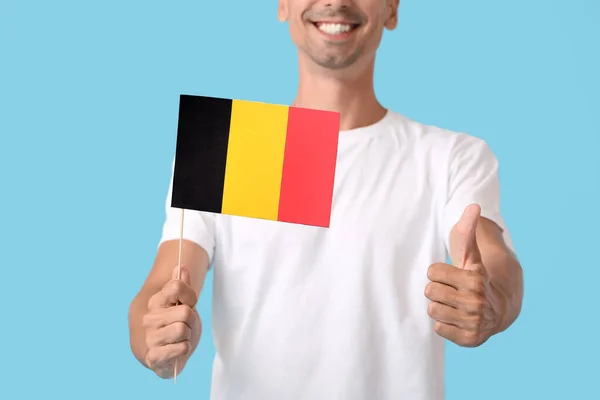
(466, 308)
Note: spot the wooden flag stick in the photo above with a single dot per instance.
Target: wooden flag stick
(180, 245)
(179, 276)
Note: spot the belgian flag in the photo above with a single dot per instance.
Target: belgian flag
(255, 160)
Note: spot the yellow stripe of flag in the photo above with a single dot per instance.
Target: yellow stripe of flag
(255, 159)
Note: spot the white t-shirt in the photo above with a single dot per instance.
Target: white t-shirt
(311, 313)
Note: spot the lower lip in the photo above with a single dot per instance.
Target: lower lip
(338, 36)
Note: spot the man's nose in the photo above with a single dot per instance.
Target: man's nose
(338, 3)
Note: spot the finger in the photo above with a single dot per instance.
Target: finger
(444, 294)
(173, 293)
(465, 236)
(463, 280)
(456, 335)
(166, 316)
(173, 333)
(443, 313)
(183, 275)
(455, 316)
(446, 274)
(161, 356)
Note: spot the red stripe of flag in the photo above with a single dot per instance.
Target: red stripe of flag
(309, 167)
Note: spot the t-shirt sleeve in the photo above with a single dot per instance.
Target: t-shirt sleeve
(472, 178)
(198, 227)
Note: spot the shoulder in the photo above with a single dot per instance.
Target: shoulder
(438, 142)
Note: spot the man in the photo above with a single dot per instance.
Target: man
(359, 310)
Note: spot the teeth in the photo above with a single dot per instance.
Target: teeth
(334, 29)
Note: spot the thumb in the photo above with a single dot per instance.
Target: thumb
(465, 237)
(183, 276)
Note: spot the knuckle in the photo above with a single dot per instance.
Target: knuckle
(172, 287)
(469, 339)
(180, 286)
(150, 320)
(475, 284)
(473, 304)
(181, 330)
(187, 313)
(151, 358)
(183, 348)
(474, 324)
(150, 340)
(478, 306)
(478, 323)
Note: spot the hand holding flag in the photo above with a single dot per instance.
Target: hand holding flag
(465, 306)
(172, 324)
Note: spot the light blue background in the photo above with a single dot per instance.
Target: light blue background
(88, 111)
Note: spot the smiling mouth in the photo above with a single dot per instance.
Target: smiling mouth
(335, 28)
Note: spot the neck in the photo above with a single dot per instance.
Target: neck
(353, 95)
